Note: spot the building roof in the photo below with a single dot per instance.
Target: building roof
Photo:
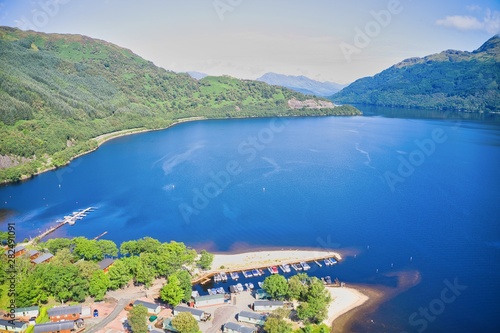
(268, 303)
(18, 248)
(253, 315)
(194, 312)
(33, 252)
(148, 305)
(239, 328)
(64, 310)
(209, 297)
(105, 263)
(16, 324)
(31, 308)
(42, 258)
(54, 327)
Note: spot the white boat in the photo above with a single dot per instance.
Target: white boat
(296, 267)
(234, 275)
(261, 285)
(332, 261)
(305, 266)
(223, 276)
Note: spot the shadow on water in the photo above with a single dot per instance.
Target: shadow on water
(407, 113)
(5, 214)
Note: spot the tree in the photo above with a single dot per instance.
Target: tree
(314, 308)
(118, 274)
(87, 249)
(63, 257)
(276, 286)
(99, 284)
(276, 325)
(107, 247)
(277, 322)
(129, 248)
(184, 322)
(205, 260)
(56, 244)
(297, 286)
(172, 292)
(185, 283)
(137, 319)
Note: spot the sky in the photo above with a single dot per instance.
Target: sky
(326, 40)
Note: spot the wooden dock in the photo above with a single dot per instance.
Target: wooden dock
(204, 278)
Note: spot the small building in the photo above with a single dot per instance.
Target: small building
(64, 313)
(209, 300)
(45, 257)
(17, 251)
(7, 326)
(60, 327)
(152, 307)
(33, 254)
(237, 328)
(105, 264)
(31, 311)
(251, 318)
(197, 314)
(267, 305)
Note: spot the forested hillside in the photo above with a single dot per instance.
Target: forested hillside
(57, 92)
(455, 80)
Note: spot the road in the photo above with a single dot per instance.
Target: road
(119, 307)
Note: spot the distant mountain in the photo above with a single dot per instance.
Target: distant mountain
(459, 80)
(197, 75)
(302, 84)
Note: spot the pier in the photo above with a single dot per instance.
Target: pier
(70, 219)
(206, 277)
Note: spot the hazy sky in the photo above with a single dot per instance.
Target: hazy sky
(332, 40)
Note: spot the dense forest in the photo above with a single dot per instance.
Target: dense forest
(452, 80)
(73, 273)
(57, 92)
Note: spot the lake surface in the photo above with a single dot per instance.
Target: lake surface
(391, 187)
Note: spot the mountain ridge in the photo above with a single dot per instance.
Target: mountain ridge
(451, 79)
(301, 84)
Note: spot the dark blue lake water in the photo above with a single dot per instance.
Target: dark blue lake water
(392, 187)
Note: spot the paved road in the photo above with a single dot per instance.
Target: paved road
(119, 307)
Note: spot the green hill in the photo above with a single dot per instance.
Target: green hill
(57, 92)
(465, 81)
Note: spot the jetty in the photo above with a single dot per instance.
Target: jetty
(69, 219)
(255, 270)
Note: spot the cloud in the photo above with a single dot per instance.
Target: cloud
(489, 23)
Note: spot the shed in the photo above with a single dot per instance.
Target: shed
(251, 318)
(12, 326)
(17, 251)
(152, 307)
(267, 305)
(33, 254)
(31, 311)
(105, 264)
(197, 314)
(45, 257)
(64, 313)
(60, 327)
(209, 300)
(237, 328)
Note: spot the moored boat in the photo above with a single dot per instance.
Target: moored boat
(305, 266)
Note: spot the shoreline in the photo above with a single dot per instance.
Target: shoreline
(103, 138)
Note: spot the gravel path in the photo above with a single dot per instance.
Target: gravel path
(221, 316)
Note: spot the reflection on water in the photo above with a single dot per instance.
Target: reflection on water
(5, 213)
(388, 112)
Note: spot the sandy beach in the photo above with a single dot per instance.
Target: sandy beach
(258, 259)
(344, 300)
